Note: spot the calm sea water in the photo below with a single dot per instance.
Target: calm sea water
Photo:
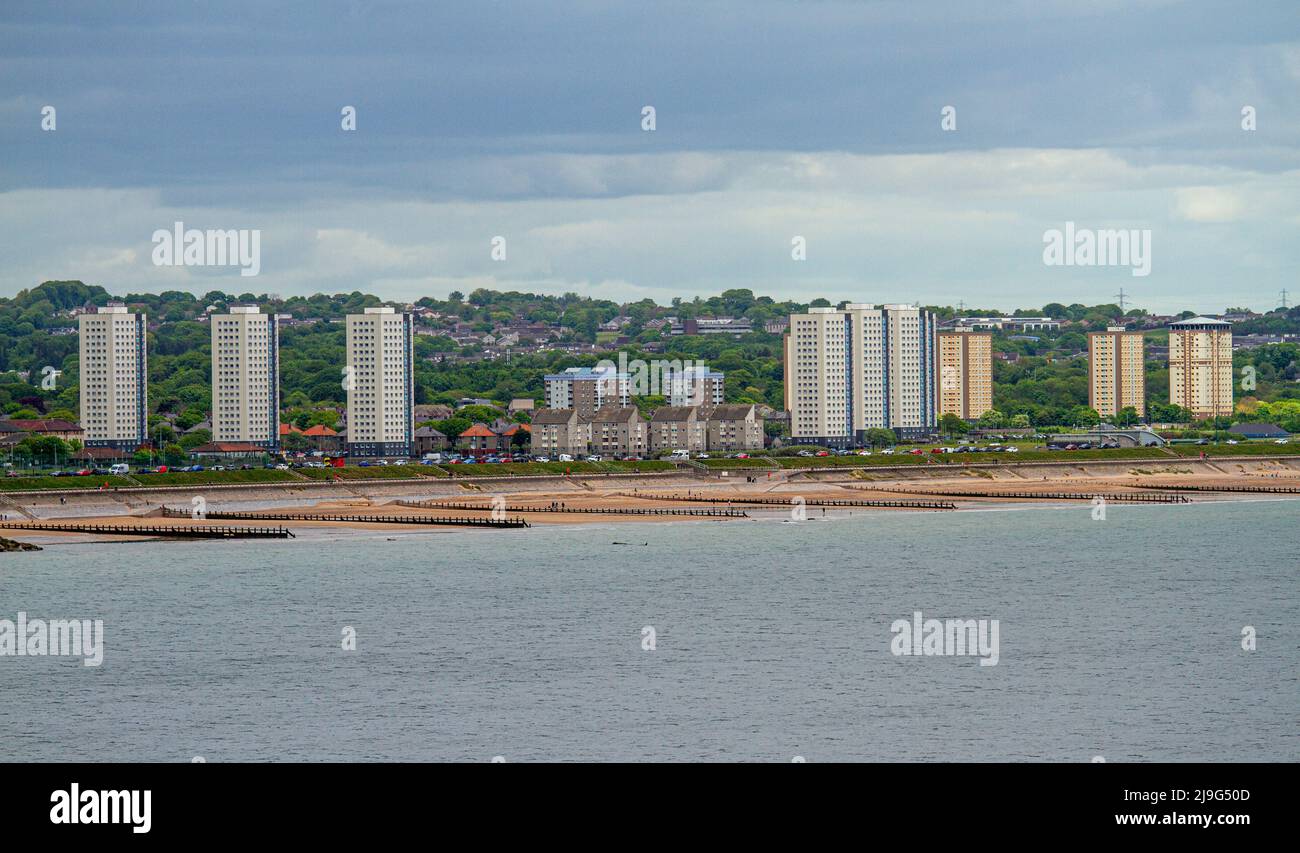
(1118, 638)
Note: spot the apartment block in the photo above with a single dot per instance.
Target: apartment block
(732, 428)
(618, 431)
(1200, 366)
(696, 385)
(1116, 372)
(380, 382)
(113, 382)
(678, 428)
(860, 367)
(246, 377)
(557, 431)
(586, 390)
(965, 374)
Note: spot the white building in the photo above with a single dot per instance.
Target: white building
(860, 367)
(246, 377)
(380, 382)
(587, 389)
(695, 385)
(114, 373)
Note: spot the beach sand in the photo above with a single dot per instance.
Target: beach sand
(1001, 485)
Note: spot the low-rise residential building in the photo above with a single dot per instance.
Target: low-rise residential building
(479, 440)
(429, 440)
(98, 457)
(323, 438)
(512, 438)
(49, 428)
(677, 428)
(733, 427)
(557, 431)
(618, 431)
(521, 404)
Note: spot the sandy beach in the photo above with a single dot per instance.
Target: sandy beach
(568, 501)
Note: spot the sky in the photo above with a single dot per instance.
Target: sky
(819, 120)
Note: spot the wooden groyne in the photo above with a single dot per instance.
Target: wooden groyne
(204, 531)
(791, 501)
(1114, 497)
(355, 519)
(593, 510)
(1265, 490)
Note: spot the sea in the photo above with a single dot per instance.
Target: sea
(1156, 633)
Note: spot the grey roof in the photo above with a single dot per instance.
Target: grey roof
(729, 412)
(552, 416)
(1257, 429)
(665, 414)
(428, 432)
(615, 414)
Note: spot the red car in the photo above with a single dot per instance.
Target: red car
(823, 453)
(916, 452)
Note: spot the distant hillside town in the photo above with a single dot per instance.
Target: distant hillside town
(238, 376)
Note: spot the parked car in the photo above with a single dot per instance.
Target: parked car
(1280, 441)
(593, 458)
(120, 468)
(564, 457)
(805, 453)
(888, 451)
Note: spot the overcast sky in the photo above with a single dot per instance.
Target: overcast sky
(773, 120)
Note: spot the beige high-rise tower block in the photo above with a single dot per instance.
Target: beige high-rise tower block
(1116, 371)
(1200, 366)
(246, 377)
(965, 374)
(114, 377)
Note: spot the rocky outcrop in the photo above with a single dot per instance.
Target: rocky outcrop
(13, 545)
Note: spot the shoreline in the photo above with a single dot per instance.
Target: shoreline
(1002, 487)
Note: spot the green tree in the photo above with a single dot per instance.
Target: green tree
(951, 424)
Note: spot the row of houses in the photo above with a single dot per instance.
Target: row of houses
(622, 431)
